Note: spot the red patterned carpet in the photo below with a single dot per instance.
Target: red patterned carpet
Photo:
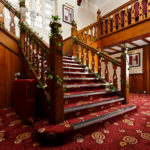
(131, 132)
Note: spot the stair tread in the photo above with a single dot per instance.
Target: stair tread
(74, 68)
(102, 117)
(85, 85)
(92, 104)
(81, 79)
(72, 64)
(77, 73)
(88, 119)
(85, 94)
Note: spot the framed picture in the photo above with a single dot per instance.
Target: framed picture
(68, 15)
(134, 60)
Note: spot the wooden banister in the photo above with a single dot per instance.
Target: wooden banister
(10, 8)
(109, 58)
(44, 61)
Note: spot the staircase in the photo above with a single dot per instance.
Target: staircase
(88, 101)
(88, 98)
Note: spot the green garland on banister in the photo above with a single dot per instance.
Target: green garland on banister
(50, 74)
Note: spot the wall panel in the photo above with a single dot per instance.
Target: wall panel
(136, 83)
(9, 64)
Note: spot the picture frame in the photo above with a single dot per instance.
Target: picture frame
(134, 60)
(68, 14)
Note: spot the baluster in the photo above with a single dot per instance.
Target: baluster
(27, 45)
(12, 24)
(126, 17)
(1, 15)
(104, 28)
(87, 37)
(30, 50)
(114, 22)
(42, 69)
(132, 13)
(148, 9)
(115, 78)
(87, 57)
(34, 55)
(95, 31)
(140, 10)
(106, 70)
(93, 61)
(119, 19)
(91, 33)
(38, 61)
(77, 51)
(108, 25)
(99, 66)
(82, 55)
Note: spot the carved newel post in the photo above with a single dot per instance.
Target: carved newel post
(125, 74)
(55, 88)
(74, 35)
(99, 29)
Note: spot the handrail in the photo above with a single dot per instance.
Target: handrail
(12, 9)
(117, 9)
(35, 36)
(109, 58)
(87, 27)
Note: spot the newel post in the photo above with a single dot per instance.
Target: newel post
(125, 75)
(74, 35)
(99, 29)
(22, 19)
(55, 86)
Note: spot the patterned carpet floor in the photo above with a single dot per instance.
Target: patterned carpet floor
(131, 132)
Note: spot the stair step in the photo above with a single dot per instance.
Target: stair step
(86, 94)
(102, 118)
(68, 60)
(72, 64)
(86, 106)
(77, 73)
(67, 57)
(74, 68)
(80, 79)
(73, 86)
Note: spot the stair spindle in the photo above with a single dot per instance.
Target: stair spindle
(140, 10)
(106, 70)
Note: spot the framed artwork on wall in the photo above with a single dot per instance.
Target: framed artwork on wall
(134, 60)
(68, 14)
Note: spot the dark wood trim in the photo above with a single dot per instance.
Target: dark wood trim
(9, 34)
(10, 49)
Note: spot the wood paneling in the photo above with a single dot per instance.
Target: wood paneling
(146, 68)
(136, 83)
(9, 65)
(67, 47)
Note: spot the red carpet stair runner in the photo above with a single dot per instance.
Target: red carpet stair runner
(88, 101)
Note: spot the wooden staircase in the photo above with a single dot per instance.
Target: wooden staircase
(88, 101)
(95, 84)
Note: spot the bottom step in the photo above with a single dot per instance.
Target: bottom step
(102, 118)
(47, 131)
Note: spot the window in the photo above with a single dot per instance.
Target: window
(39, 13)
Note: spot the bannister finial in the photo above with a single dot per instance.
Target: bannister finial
(98, 15)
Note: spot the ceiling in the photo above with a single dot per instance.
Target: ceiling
(132, 44)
